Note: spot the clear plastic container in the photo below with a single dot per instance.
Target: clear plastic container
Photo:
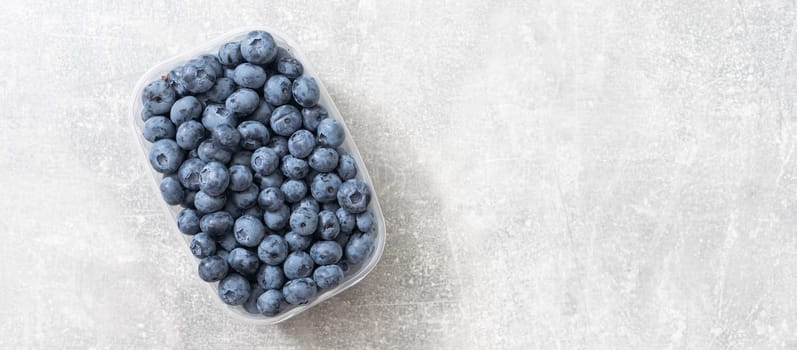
(355, 273)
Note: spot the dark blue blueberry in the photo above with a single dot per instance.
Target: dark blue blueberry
(231, 208)
(359, 247)
(250, 305)
(323, 159)
(214, 178)
(188, 174)
(209, 151)
(324, 187)
(299, 291)
(230, 54)
(262, 114)
(258, 47)
(223, 88)
(206, 203)
(344, 265)
(278, 90)
(312, 116)
(158, 128)
(277, 219)
(216, 224)
(365, 221)
(185, 109)
(279, 144)
(158, 97)
(223, 254)
(234, 289)
(264, 161)
(274, 180)
(197, 76)
(171, 190)
(188, 199)
(213, 268)
(247, 198)
(271, 198)
(254, 211)
(328, 225)
(294, 190)
(346, 220)
(173, 80)
(294, 168)
(347, 167)
(228, 242)
(271, 302)
(213, 62)
(304, 221)
(242, 101)
(273, 250)
(165, 156)
(298, 264)
(326, 252)
(202, 245)
(188, 221)
(305, 91)
(243, 261)
(190, 134)
(289, 66)
(297, 242)
(215, 115)
(240, 177)
(249, 231)
(343, 238)
(270, 277)
(354, 196)
(253, 135)
(241, 158)
(227, 137)
(330, 133)
(306, 203)
(331, 206)
(301, 143)
(285, 120)
(328, 276)
(249, 76)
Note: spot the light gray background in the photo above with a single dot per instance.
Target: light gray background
(554, 174)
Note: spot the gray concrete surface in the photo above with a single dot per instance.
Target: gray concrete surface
(555, 175)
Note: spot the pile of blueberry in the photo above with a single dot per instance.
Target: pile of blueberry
(274, 205)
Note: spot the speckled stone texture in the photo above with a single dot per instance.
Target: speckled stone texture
(554, 175)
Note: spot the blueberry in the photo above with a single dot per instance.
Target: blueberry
(294, 190)
(253, 135)
(202, 245)
(197, 76)
(297, 242)
(234, 289)
(214, 178)
(243, 261)
(324, 187)
(223, 254)
(249, 231)
(346, 220)
(173, 80)
(227, 137)
(312, 116)
(223, 88)
(165, 156)
(330, 133)
(171, 190)
(185, 109)
(230, 54)
(247, 198)
(209, 151)
(241, 158)
(271, 198)
(306, 203)
(278, 90)
(331, 206)
(328, 276)
(326, 252)
(158, 128)
(273, 180)
(213, 62)
(234, 211)
(272, 250)
(365, 221)
(347, 167)
(323, 159)
(301, 143)
(262, 114)
(359, 247)
(344, 266)
(190, 134)
(277, 219)
(240, 177)
(294, 168)
(228, 242)
(188, 199)
(215, 115)
(270, 277)
(328, 225)
(249, 76)
(216, 224)
(188, 221)
(188, 173)
(285, 120)
(305, 91)
(254, 211)
(158, 97)
(298, 264)
(304, 221)
(213, 268)
(279, 144)
(264, 161)
(299, 291)
(250, 305)
(242, 101)
(258, 47)
(206, 203)
(343, 238)
(354, 196)
(271, 302)
(289, 66)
